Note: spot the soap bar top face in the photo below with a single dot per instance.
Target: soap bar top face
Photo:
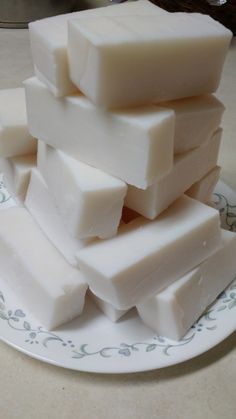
(108, 57)
(48, 39)
(196, 120)
(183, 236)
(15, 139)
(36, 271)
(173, 311)
(16, 172)
(188, 168)
(53, 30)
(135, 145)
(92, 200)
(40, 204)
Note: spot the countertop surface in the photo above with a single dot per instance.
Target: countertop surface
(200, 388)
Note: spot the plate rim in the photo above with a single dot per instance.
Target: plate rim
(148, 364)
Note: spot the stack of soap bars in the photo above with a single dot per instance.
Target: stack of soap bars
(117, 199)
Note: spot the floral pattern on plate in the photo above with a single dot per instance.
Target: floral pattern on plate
(95, 349)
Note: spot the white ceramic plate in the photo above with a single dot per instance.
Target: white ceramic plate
(92, 343)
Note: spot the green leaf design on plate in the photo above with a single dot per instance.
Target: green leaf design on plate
(232, 304)
(151, 347)
(26, 325)
(3, 316)
(17, 320)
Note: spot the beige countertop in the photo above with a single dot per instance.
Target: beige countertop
(200, 388)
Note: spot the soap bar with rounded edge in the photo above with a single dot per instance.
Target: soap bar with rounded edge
(15, 139)
(136, 60)
(188, 168)
(48, 39)
(197, 118)
(204, 188)
(16, 174)
(53, 290)
(89, 201)
(41, 206)
(135, 145)
(113, 313)
(174, 310)
(146, 256)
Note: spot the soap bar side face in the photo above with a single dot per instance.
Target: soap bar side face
(92, 201)
(173, 311)
(57, 79)
(22, 167)
(16, 171)
(27, 270)
(15, 139)
(41, 206)
(142, 138)
(204, 188)
(109, 310)
(12, 107)
(197, 119)
(130, 274)
(192, 46)
(48, 38)
(188, 168)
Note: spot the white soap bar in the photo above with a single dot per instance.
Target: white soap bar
(135, 145)
(40, 204)
(36, 271)
(89, 201)
(197, 118)
(113, 313)
(135, 60)
(188, 168)
(16, 171)
(146, 256)
(48, 39)
(204, 188)
(15, 139)
(173, 311)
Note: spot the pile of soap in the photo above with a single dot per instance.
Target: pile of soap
(117, 199)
